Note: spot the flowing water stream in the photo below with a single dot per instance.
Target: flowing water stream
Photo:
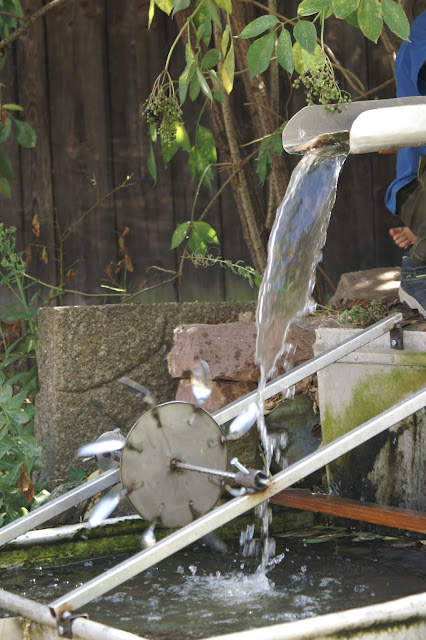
(294, 250)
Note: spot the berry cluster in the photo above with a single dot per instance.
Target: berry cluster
(165, 113)
(321, 88)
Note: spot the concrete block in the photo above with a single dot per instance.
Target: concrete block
(391, 467)
(371, 284)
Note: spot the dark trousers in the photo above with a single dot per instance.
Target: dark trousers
(411, 209)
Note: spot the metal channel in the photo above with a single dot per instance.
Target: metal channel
(230, 510)
(310, 367)
(82, 628)
(58, 505)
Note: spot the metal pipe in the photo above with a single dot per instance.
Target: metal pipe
(308, 368)
(81, 627)
(230, 510)
(345, 624)
(388, 128)
(58, 505)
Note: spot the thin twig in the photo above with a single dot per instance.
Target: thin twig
(8, 14)
(327, 278)
(28, 22)
(227, 181)
(154, 286)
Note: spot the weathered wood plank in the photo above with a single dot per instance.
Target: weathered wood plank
(80, 141)
(352, 509)
(36, 167)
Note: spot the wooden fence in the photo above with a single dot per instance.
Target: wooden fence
(82, 76)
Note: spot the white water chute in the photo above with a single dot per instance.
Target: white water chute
(388, 128)
(371, 125)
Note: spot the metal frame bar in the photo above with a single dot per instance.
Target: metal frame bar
(81, 627)
(58, 505)
(111, 477)
(310, 367)
(236, 507)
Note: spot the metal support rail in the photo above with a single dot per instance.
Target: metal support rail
(111, 477)
(230, 510)
(310, 367)
(58, 505)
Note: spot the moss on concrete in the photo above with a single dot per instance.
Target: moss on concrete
(351, 475)
(371, 396)
(124, 537)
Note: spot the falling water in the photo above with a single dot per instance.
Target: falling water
(294, 250)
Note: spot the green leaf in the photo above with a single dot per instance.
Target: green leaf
(225, 5)
(14, 6)
(179, 234)
(151, 12)
(185, 79)
(352, 19)
(309, 7)
(225, 40)
(228, 70)
(152, 167)
(200, 159)
(277, 144)
(258, 26)
(304, 60)
(285, 51)
(210, 59)
(264, 160)
(194, 87)
(6, 170)
(306, 35)
(180, 5)
(212, 12)
(204, 86)
(169, 149)
(206, 145)
(165, 5)
(6, 393)
(343, 8)
(395, 18)
(13, 107)
(201, 235)
(260, 53)
(25, 134)
(5, 130)
(5, 188)
(205, 232)
(370, 19)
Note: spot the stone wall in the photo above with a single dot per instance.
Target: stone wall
(83, 351)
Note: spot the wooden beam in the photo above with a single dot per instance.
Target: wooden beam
(352, 509)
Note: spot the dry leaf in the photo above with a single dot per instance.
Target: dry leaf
(36, 226)
(25, 485)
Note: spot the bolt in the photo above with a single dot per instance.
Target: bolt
(61, 630)
(355, 358)
(394, 342)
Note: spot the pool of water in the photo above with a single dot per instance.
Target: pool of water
(198, 592)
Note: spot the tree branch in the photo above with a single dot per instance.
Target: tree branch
(8, 14)
(28, 22)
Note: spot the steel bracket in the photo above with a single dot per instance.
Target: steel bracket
(64, 623)
(396, 337)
